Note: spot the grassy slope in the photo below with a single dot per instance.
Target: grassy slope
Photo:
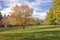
(31, 33)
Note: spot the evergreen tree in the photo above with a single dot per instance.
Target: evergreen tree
(0, 16)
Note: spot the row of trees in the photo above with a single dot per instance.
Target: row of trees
(22, 15)
(3, 20)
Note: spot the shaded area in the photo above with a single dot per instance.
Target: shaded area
(49, 35)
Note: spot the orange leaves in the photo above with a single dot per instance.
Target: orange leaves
(25, 9)
(16, 8)
(4, 22)
(21, 14)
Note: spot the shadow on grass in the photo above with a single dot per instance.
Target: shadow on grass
(44, 35)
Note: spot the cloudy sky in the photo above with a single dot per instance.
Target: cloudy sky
(40, 7)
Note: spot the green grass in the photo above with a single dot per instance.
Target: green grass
(31, 33)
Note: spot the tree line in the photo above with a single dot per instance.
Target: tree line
(23, 15)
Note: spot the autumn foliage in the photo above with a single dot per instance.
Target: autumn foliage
(20, 15)
(53, 16)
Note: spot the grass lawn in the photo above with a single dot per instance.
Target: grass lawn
(31, 33)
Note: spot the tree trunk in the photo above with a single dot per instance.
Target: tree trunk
(23, 26)
(5, 26)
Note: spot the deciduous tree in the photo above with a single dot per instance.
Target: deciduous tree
(53, 16)
(20, 15)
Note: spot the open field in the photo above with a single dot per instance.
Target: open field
(31, 33)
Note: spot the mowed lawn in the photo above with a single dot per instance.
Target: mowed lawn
(31, 33)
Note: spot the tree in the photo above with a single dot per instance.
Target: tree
(53, 16)
(20, 15)
(0, 18)
(50, 18)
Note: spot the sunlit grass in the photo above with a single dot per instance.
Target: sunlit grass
(31, 33)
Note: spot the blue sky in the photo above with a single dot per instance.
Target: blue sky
(40, 7)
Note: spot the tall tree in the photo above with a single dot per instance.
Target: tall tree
(53, 16)
(0, 17)
(20, 15)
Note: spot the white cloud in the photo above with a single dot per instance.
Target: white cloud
(6, 11)
(34, 5)
(10, 2)
(40, 15)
